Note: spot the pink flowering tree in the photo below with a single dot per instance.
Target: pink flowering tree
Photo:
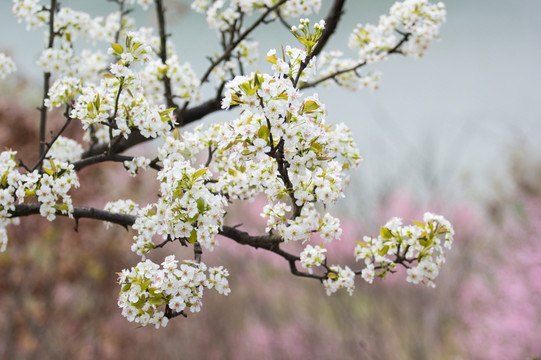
(131, 87)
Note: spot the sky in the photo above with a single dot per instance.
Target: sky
(446, 122)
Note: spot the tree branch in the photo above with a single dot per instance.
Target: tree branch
(46, 85)
(79, 212)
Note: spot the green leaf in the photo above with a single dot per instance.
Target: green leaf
(117, 48)
(310, 106)
(419, 224)
(193, 237)
(199, 173)
(384, 250)
(200, 205)
(271, 59)
(155, 300)
(248, 90)
(263, 132)
(385, 233)
(316, 147)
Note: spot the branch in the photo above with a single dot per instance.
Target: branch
(190, 115)
(50, 144)
(242, 237)
(79, 212)
(270, 243)
(395, 50)
(78, 165)
(242, 36)
(331, 23)
(46, 85)
(160, 13)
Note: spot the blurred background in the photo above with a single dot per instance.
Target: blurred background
(456, 132)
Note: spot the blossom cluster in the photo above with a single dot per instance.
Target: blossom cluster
(187, 209)
(65, 150)
(9, 178)
(419, 247)
(312, 256)
(409, 28)
(138, 162)
(50, 187)
(339, 278)
(7, 66)
(419, 20)
(150, 292)
(127, 207)
(221, 14)
(118, 101)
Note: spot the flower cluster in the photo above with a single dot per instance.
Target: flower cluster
(419, 247)
(121, 207)
(31, 11)
(312, 256)
(62, 91)
(184, 82)
(7, 66)
(221, 14)
(65, 150)
(147, 288)
(419, 20)
(139, 162)
(58, 61)
(119, 101)
(187, 209)
(9, 178)
(339, 278)
(51, 188)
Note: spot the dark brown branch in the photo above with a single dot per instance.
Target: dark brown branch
(190, 115)
(242, 237)
(270, 243)
(79, 212)
(233, 45)
(395, 50)
(46, 85)
(331, 23)
(160, 14)
(78, 165)
(50, 144)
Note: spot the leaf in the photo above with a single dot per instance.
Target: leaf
(271, 59)
(263, 132)
(384, 251)
(362, 243)
(200, 205)
(419, 224)
(248, 90)
(193, 237)
(199, 173)
(155, 300)
(167, 111)
(316, 147)
(310, 106)
(117, 48)
(108, 76)
(385, 233)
